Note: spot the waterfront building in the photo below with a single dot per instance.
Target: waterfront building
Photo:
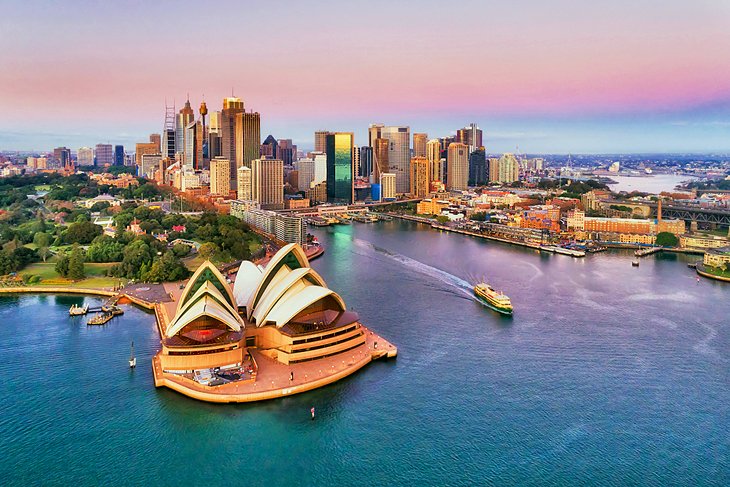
(575, 220)
(718, 257)
(220, 176)
(320, 140)
(387, 186)
(433, 154)
(283, 227)
(150, 164)
(104, 154)
(295, 202)
(281, 314)
(431, 206)
(399, 155)
(419, 144)
(317, 192)
(340, 171)
(85, 156)
(478, 175)
(420, 177)
(495, 199)
(244, 183)
(631, 225)
(267, 183)
(703, 241)
(458, 167)
(470, 136)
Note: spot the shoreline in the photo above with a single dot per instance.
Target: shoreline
(700, 271)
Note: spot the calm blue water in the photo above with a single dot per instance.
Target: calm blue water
(606, 375)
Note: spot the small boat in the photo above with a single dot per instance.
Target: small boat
(132, 358)
(498, 301)
(100, 319)
(78, 310)
(635, 262)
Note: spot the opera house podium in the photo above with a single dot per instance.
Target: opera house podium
(279, 331)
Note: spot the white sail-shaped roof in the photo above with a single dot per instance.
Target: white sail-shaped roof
(247, 280)
(288, 307)
(288, 258)
(297, 280)
(205, 306)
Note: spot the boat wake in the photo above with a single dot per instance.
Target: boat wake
(449, 279)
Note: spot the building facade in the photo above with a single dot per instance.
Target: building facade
(420, 177)
(458, 167)
(267, 183)
(340, 170)
(220, 176)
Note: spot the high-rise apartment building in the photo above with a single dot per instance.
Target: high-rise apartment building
(220, 176)
(356, 160)
(470, 136)
(419, 144)
(104, 154)
(508, 169)
(340, 170)
(420, 177)
(458, 167)
(433, 154)
(305, 173)
(387, 186)
(267, 183)
(85, 156)
(244, 184)
(320, 140)
(118, 155)
(399, 156)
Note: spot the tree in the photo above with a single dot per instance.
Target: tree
(478, 216)
(82, 232)
(62, 264)
(181, 250)
(42, 239)
(7, 263)
(76, 264)
(105, 249)
(208, 250)
(166, 268)
(442, 219)
(666, 239)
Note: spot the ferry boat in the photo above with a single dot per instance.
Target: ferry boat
(100, 319)
(635, 262)
(78, 310)
(570, 252)
(496, 300)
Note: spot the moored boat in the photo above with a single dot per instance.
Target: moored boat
(496, 300)
(78, 310)
(100, 319)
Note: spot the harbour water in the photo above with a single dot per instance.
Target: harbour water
(606, 374)
(654, 184)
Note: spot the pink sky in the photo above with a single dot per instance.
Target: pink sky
(100, 69)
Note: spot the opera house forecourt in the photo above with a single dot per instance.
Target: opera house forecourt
(279, 331)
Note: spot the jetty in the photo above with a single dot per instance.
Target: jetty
(647, 251)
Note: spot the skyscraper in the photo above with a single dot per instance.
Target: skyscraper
(458, 167)
(189, 159)
(286, 151)
(248, 138)
(320, 140)
(150, 164)
(399, 155)
(62, 155)
(244, 183)
(478, 174)
(433, 154)
(142, 148)
(118, 155)
(470, 136)
(220, 176)
(508, 169)
(267, 183)
(420, 177)
(232, 107)
(104, 155)
(270, 147)
(340, 175)
(85, 156)
(375, 131)
(366, 161)
(320, 167)
(380, 157)
(182, 121)
(356, 160)
(419, 144)
(157, 140)
(387, 186)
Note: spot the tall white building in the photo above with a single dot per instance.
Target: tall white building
(388, 186)
(85, 156)
(305, 167)
(399, 155)
(320, 167)
(220, 176)
(244, 183)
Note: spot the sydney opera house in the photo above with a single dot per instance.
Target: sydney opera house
(279, 330)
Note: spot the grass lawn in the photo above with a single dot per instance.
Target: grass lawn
(716, 271)
(49, 277)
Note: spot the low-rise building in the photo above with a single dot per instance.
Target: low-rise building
(719, 257)
(431, 206)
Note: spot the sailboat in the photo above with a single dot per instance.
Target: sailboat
(132, 358)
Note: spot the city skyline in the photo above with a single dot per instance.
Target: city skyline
(559, 78)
